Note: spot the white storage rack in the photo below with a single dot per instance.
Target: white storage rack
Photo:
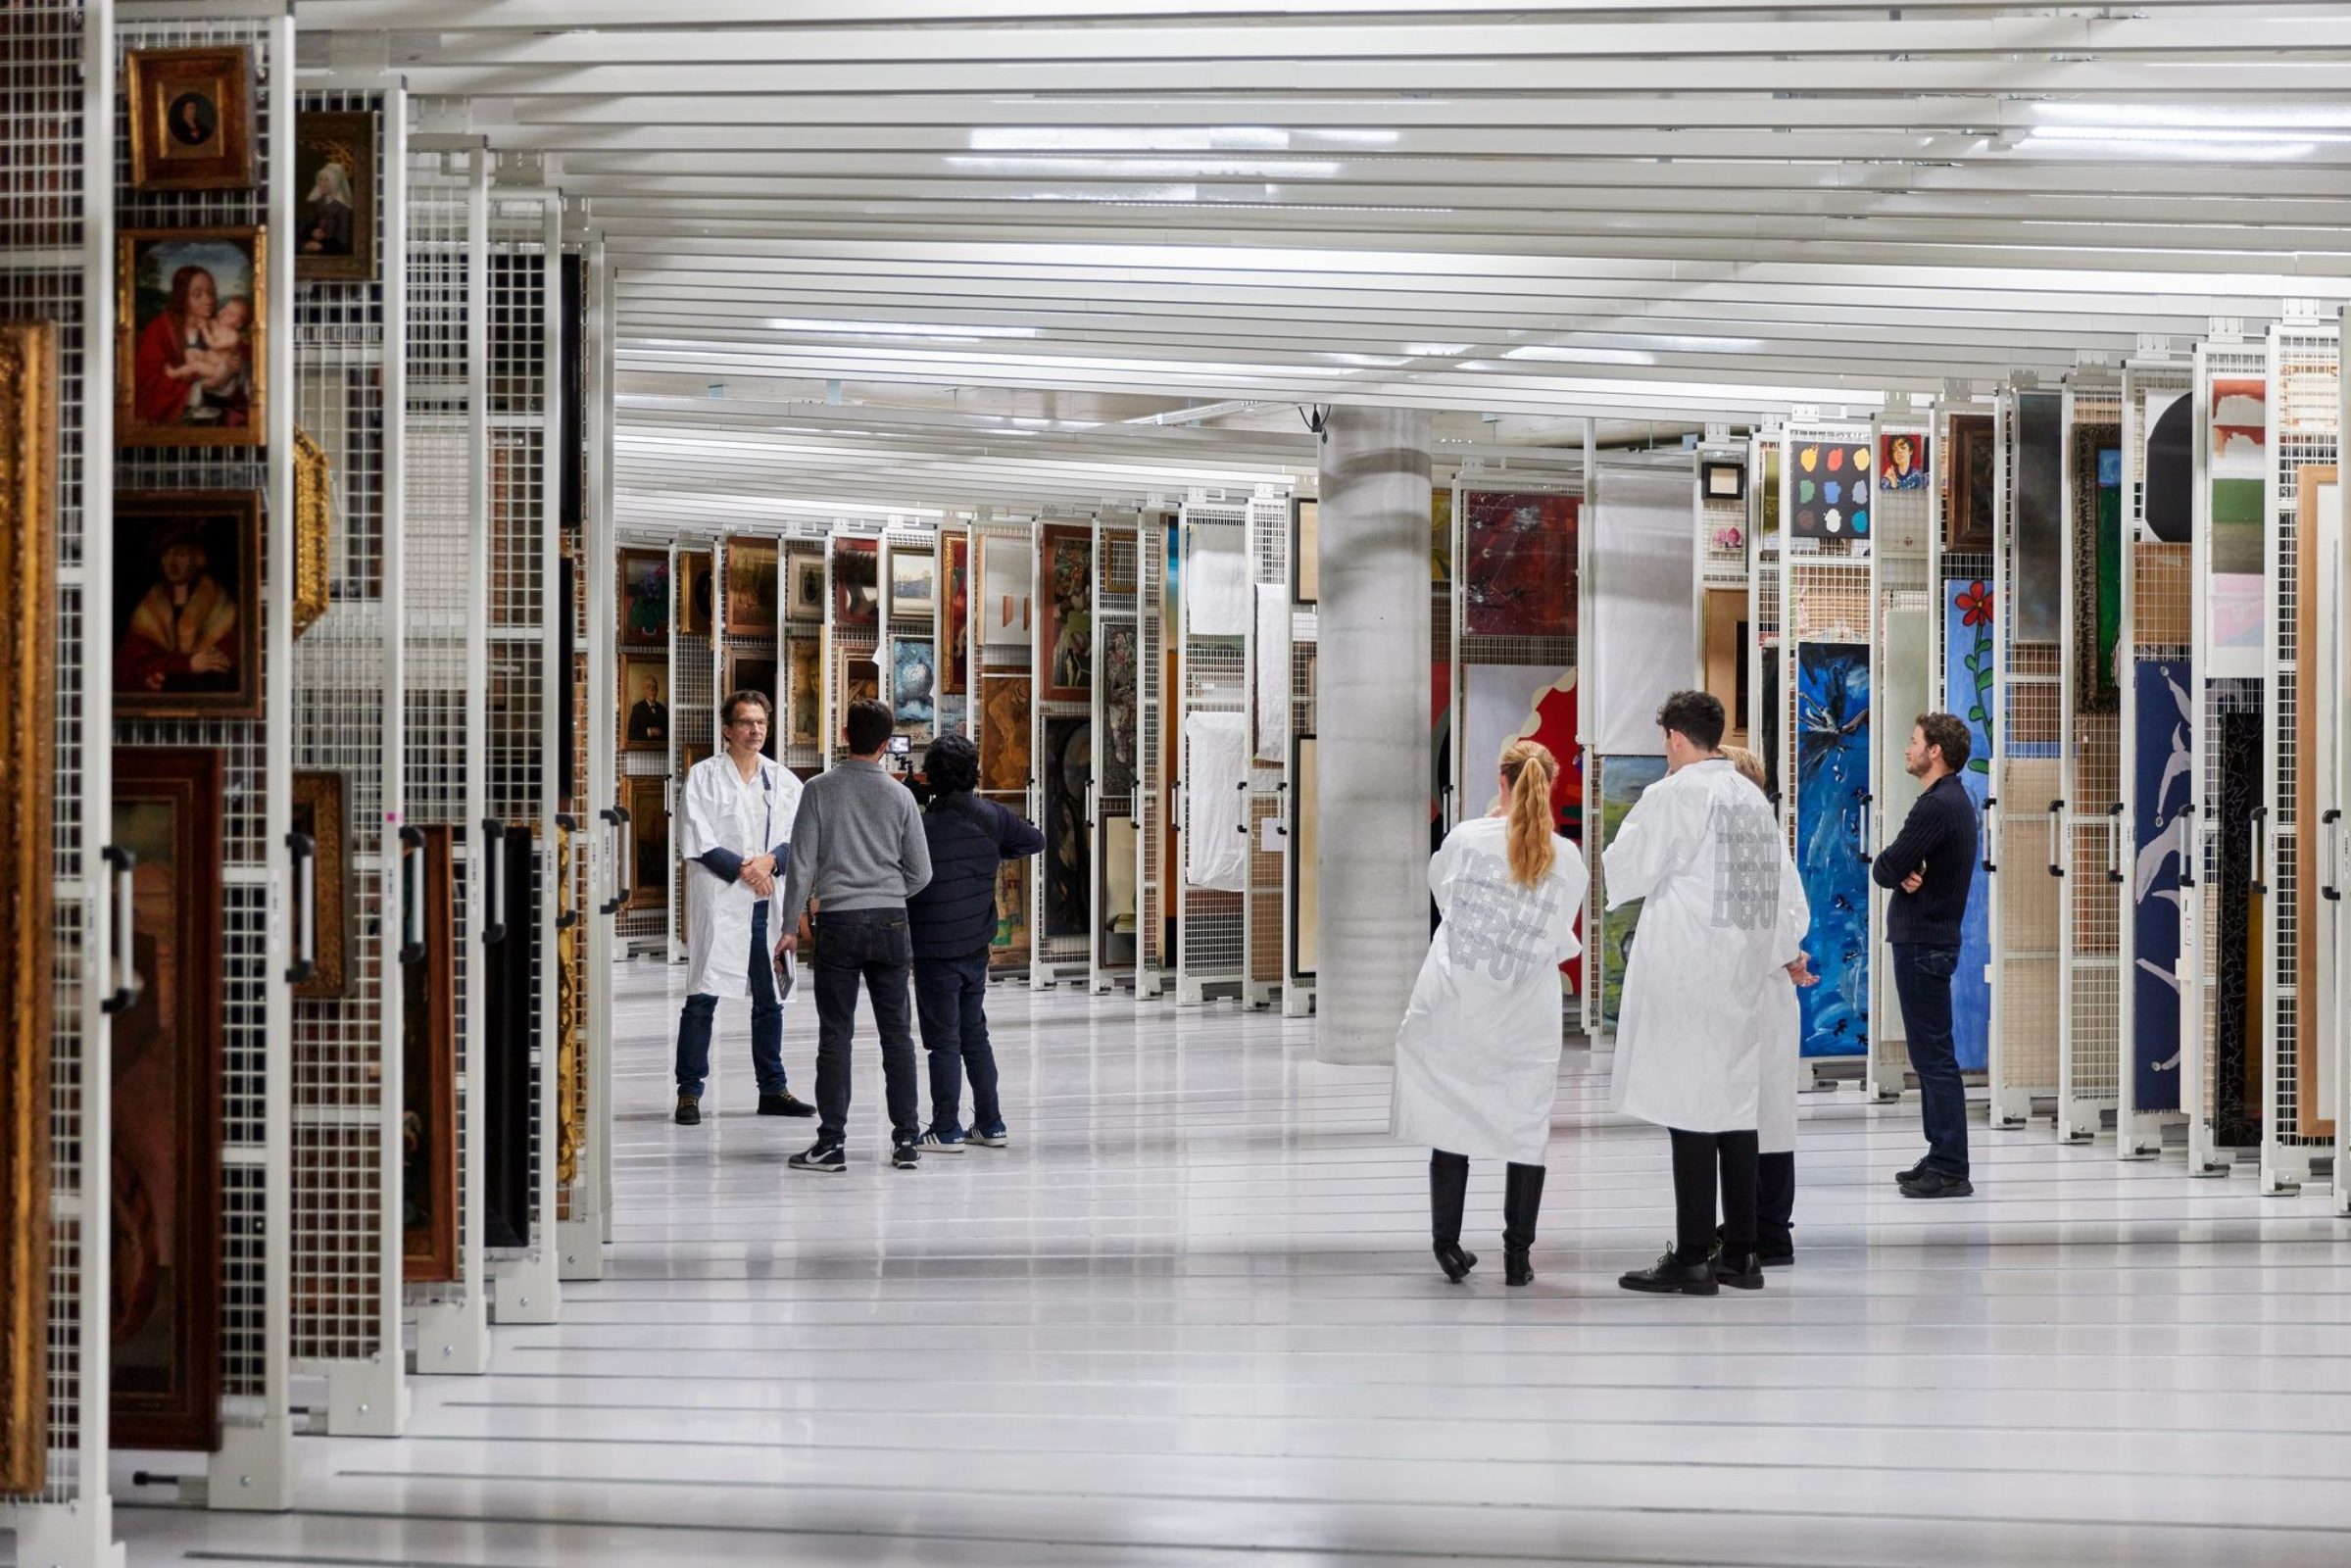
(1212, 941)
(2155, 611)
(57, 173)
(253, 1468)
(1116, 581)
(2340, 956)
(1155, 877)
(348, 676)
(1052, 960)
(1265, 908)
(989, 532)
(1298, 983)
(2093, 896)
(648, 924)
(1905, 609)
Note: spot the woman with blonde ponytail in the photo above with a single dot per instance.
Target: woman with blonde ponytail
(1477, 1060)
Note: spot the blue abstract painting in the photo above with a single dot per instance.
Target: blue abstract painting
(1968, 654)
(2159, 835)
(1832, 775)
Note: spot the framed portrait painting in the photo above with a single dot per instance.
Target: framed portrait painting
(334, 171)
(428, 1143)
(1971, 477)
(956, 618)
(647, 800)
(318, 813)
(191, 337)
(191, 118)
(694, 593)
(856, 582)
(913, 583)
(806, 598)
(755, 672)
(751, 565)
(645, 598)
(166, 1220)
(644, 702)
(804, 719)
(187, 604)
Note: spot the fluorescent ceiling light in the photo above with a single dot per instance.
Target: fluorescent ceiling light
(1083, 167)
(1582, 356)
(924, 329)
(1435, 350)
(2209, 116)
(2157, 142)
(1169, 138)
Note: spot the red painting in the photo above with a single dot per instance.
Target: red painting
(1519, 575)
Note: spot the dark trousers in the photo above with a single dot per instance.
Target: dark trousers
(1697, 1156)
(1776, 1201)
(766, 1023)
(950, 1001)
(1923, 983)
(873, 945)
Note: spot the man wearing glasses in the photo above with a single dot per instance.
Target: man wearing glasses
(736, 812)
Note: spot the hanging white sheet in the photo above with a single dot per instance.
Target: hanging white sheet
(1272, 706)
(1215, 584)
(1215, 769)
(1643, 633)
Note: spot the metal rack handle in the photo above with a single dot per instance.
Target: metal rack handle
(493, 843)
(120, 862)
(2056, 825)
(2258, 845)
(303, 861)
(1869, 812)
(411, 895)
(2330, 852)
(2114, 842)
(616, 819)
(2191, 851)
(1986, 829)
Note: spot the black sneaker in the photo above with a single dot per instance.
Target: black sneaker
(786, 1104)
(821, 1156)
(1912, 1174)
(906, 1157)
(688, 1112)
(1938, 1184)
(1668, 1278)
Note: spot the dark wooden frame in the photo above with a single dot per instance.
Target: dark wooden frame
(322, 791)
(1305, 557)
(1049, 541)
(868, 551)
(1708, 468)
(741, 658)
(360, 130)
(1965, 432)
(160, 506)
(429, 1253)
(745, 618)
(508, 1081)
(623, 634)
(149, 77)
(186, 1417)
(694, 566)
(801, 566)
(646, 797)
(623, 665)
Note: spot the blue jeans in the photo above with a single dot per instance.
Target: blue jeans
(876, 947)
(1923, 983)
(950, 998)
(766, 1023)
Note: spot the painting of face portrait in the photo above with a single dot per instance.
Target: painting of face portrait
(191, 118)
(335, 172)
(191, 337)
(644, 705)
(187, 604)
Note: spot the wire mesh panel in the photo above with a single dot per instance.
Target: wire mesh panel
(2304, 364)
(697, 604)
(1905, 520)
(57, 125)
(251, 1468)
(1265, 912)
(347, 1086)
(1003, 577)
(1212, 773)
(2157, 648)
(850, 649)
(1302, 917)
(1111, 825)
(442, 584)
(522, 722)
(1154, 715)
(1063, 742)
(2092, 900)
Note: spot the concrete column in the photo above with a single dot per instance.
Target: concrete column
(1371, 724)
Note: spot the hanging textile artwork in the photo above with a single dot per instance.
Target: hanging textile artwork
(1828, 489)
(1833, 751)
(1519, 568)
(2238, 466)
(2037, 523)
(2097, 566)
(1215, 769)
(1270, 703)
(1622, 781)
(2237, 937)
(2160, 841)
(1969, 651)
(1644, 555)
(1217, 585)
(1069, 764)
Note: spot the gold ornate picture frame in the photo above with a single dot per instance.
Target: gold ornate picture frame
(314, 523)
(191, 118)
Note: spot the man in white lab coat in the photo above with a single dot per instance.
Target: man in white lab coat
(1718, 929)
(733, 821)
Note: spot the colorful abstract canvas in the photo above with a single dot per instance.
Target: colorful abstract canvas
(1833, 777)
(1505, 701)
(2164, 776)
(1518, 573)
(1969, 653)
(2237, 468)
(1828, 489)
(913, 686)
(1623, 779)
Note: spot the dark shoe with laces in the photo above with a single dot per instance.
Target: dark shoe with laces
(906, 1157)
(1912, 1174)
(830, 1157)
(1938, 1184)
(688, 1112)
(786, 1104)
(1740, 1273)
(1666, 1277)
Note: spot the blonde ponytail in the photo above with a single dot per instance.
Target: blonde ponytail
(1528, 769)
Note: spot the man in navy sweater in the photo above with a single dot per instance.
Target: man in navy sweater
(1931, 867)
(954, 921)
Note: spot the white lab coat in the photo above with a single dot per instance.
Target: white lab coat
(1779, 1033)
(1477, 1058)
(724, 811)
(1703, 851)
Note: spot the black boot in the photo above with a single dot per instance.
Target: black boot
(1449, 1189)
(1522, 1201)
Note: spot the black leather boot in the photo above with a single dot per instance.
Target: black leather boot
(1522, 1201)
(1449, 1189)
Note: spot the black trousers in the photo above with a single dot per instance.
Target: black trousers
(1697, 1157)
(1776, 1201)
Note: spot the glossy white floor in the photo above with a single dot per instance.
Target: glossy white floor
(1190, 1317)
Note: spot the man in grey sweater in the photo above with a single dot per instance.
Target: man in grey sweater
(858, 850)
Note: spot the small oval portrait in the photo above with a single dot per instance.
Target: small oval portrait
(193, 120)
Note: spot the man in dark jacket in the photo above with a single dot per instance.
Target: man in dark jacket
(1929, 868)
(954, 921)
